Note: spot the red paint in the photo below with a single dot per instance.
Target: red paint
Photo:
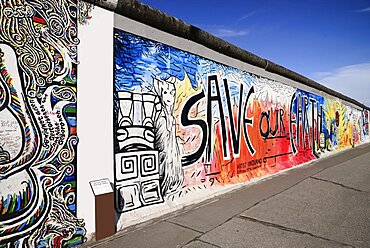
(272, 154)
(38, 19)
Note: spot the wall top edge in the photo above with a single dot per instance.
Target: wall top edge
(106, 4)
(157, 19)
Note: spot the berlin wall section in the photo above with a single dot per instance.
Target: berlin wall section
(167, 120)
(55, 133)
(190, 123)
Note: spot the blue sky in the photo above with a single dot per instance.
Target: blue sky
(328, 41)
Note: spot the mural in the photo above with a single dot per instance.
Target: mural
(38, 62)
(365, 123)
(184, 123)
(84, 12)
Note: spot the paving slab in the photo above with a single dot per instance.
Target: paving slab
(212, 214)
(162, 234)
(215, 213)
(321, 208)
(243, 233)
(200, 244)
(344, 173)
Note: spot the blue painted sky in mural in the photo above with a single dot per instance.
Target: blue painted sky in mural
(327, 41)
(139, 61)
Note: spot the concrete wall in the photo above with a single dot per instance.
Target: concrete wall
(169, 121)
(190, 123)
(38, 138)
(95, 118)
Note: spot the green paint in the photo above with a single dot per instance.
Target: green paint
(70, 110)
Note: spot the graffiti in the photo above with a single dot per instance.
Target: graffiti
(38, 62)
(195, 124)
(269, 133)
(306, 122)
(206, 126)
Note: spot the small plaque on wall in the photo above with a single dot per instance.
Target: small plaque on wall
(104, 208)
(101, 186)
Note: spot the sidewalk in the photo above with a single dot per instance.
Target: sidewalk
(324, 204)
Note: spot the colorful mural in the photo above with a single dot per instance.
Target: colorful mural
(84, 12)
(38, 62)
(185, 123)
(365, 125)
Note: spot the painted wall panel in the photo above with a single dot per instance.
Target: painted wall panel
(365, 123)
(38, 139)
(184, 125)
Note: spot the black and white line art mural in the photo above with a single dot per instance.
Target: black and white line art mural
(171, 174)
(147, 160)
(136, 161)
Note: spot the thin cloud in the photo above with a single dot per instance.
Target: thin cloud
(222, 31)
(250, 14)
(363, 10)
(226, 32)
(352, 81)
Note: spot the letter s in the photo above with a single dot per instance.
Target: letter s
(185, 121)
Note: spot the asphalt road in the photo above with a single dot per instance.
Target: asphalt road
(323, 204)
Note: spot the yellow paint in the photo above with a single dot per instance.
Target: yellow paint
(184, 90)
(344, 131)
